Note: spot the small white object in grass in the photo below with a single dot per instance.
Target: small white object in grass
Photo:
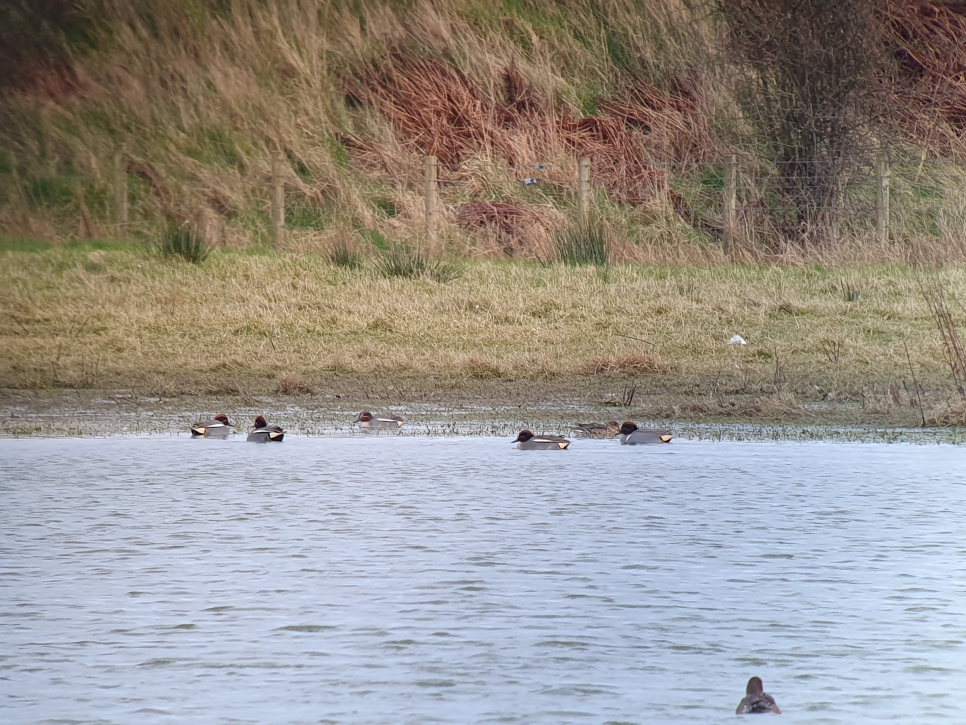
(737, 340)
(539, 167)
(529, 182)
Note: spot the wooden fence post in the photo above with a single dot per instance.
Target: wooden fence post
(120, 192)
(430, 192)
(730, 202)
(86, 230)
(278, 201)
(583, 190)
(882, 196)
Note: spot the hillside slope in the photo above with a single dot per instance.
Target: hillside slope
(199, 94)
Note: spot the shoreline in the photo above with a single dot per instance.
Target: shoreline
(479, 409)
(95, 338)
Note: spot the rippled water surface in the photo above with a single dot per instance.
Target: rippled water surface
(419, 580)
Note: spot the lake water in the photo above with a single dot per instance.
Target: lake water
(458, 580)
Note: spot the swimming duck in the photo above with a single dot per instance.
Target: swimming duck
(756, 700)
(265, 433)
(631, 435)
(527, 441)
(217, 427)
(368, 420)
(598, 430)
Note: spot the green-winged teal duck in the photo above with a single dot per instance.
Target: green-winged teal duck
(217, 427)
(756, 700)
(631, 435)
(527, 441)
(598, 430)
(265, 433)
(368, 420)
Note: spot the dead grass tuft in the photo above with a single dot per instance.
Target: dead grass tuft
(293, 384)
(952, 413)
(631, 363)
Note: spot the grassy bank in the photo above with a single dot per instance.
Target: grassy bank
(114, 316)
(187, 102)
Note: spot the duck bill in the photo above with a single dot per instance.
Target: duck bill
(518, 439)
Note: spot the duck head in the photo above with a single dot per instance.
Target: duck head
(754, 686)
(628, 428)
(223, 419)
(613, 427)
(364, 417)
(524, 436)
(260, 422)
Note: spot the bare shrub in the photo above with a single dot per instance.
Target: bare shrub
(809, 90)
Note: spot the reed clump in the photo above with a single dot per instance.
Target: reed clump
(584, 243)
(183, 242)
(414, 263)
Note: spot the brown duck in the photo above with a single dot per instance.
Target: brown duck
(756, 700)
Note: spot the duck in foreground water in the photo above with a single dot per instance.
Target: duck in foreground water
(368, 420)
(217, 427)
(598, 430)
(631, 435)
(527, 441)
(265, 433)
(756, 701)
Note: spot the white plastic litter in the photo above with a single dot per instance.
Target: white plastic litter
(530, 182)
(737, 340)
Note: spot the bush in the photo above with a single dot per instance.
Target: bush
(178, 240)
(583, 244)
(409, 263)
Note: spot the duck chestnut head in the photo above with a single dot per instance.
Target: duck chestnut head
(364, 417)
(260, 422)
(628, 428)
(222, 418)
(754, 687)
(524, 436)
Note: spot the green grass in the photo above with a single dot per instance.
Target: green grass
(581, 244)
(184, 243)
(411, 263)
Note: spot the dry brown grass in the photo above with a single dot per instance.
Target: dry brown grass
(948, 414)
(241, 324)
(633, 363)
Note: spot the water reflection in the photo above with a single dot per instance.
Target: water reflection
(409, 580)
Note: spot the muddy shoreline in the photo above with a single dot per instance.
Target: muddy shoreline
(432, 406)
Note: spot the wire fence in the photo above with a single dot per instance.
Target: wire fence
(731, 201)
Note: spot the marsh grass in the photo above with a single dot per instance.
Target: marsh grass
(181, 241)
(79, 317)
(343, 255)
(408, 262)
(944, 308)
(583, 244)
